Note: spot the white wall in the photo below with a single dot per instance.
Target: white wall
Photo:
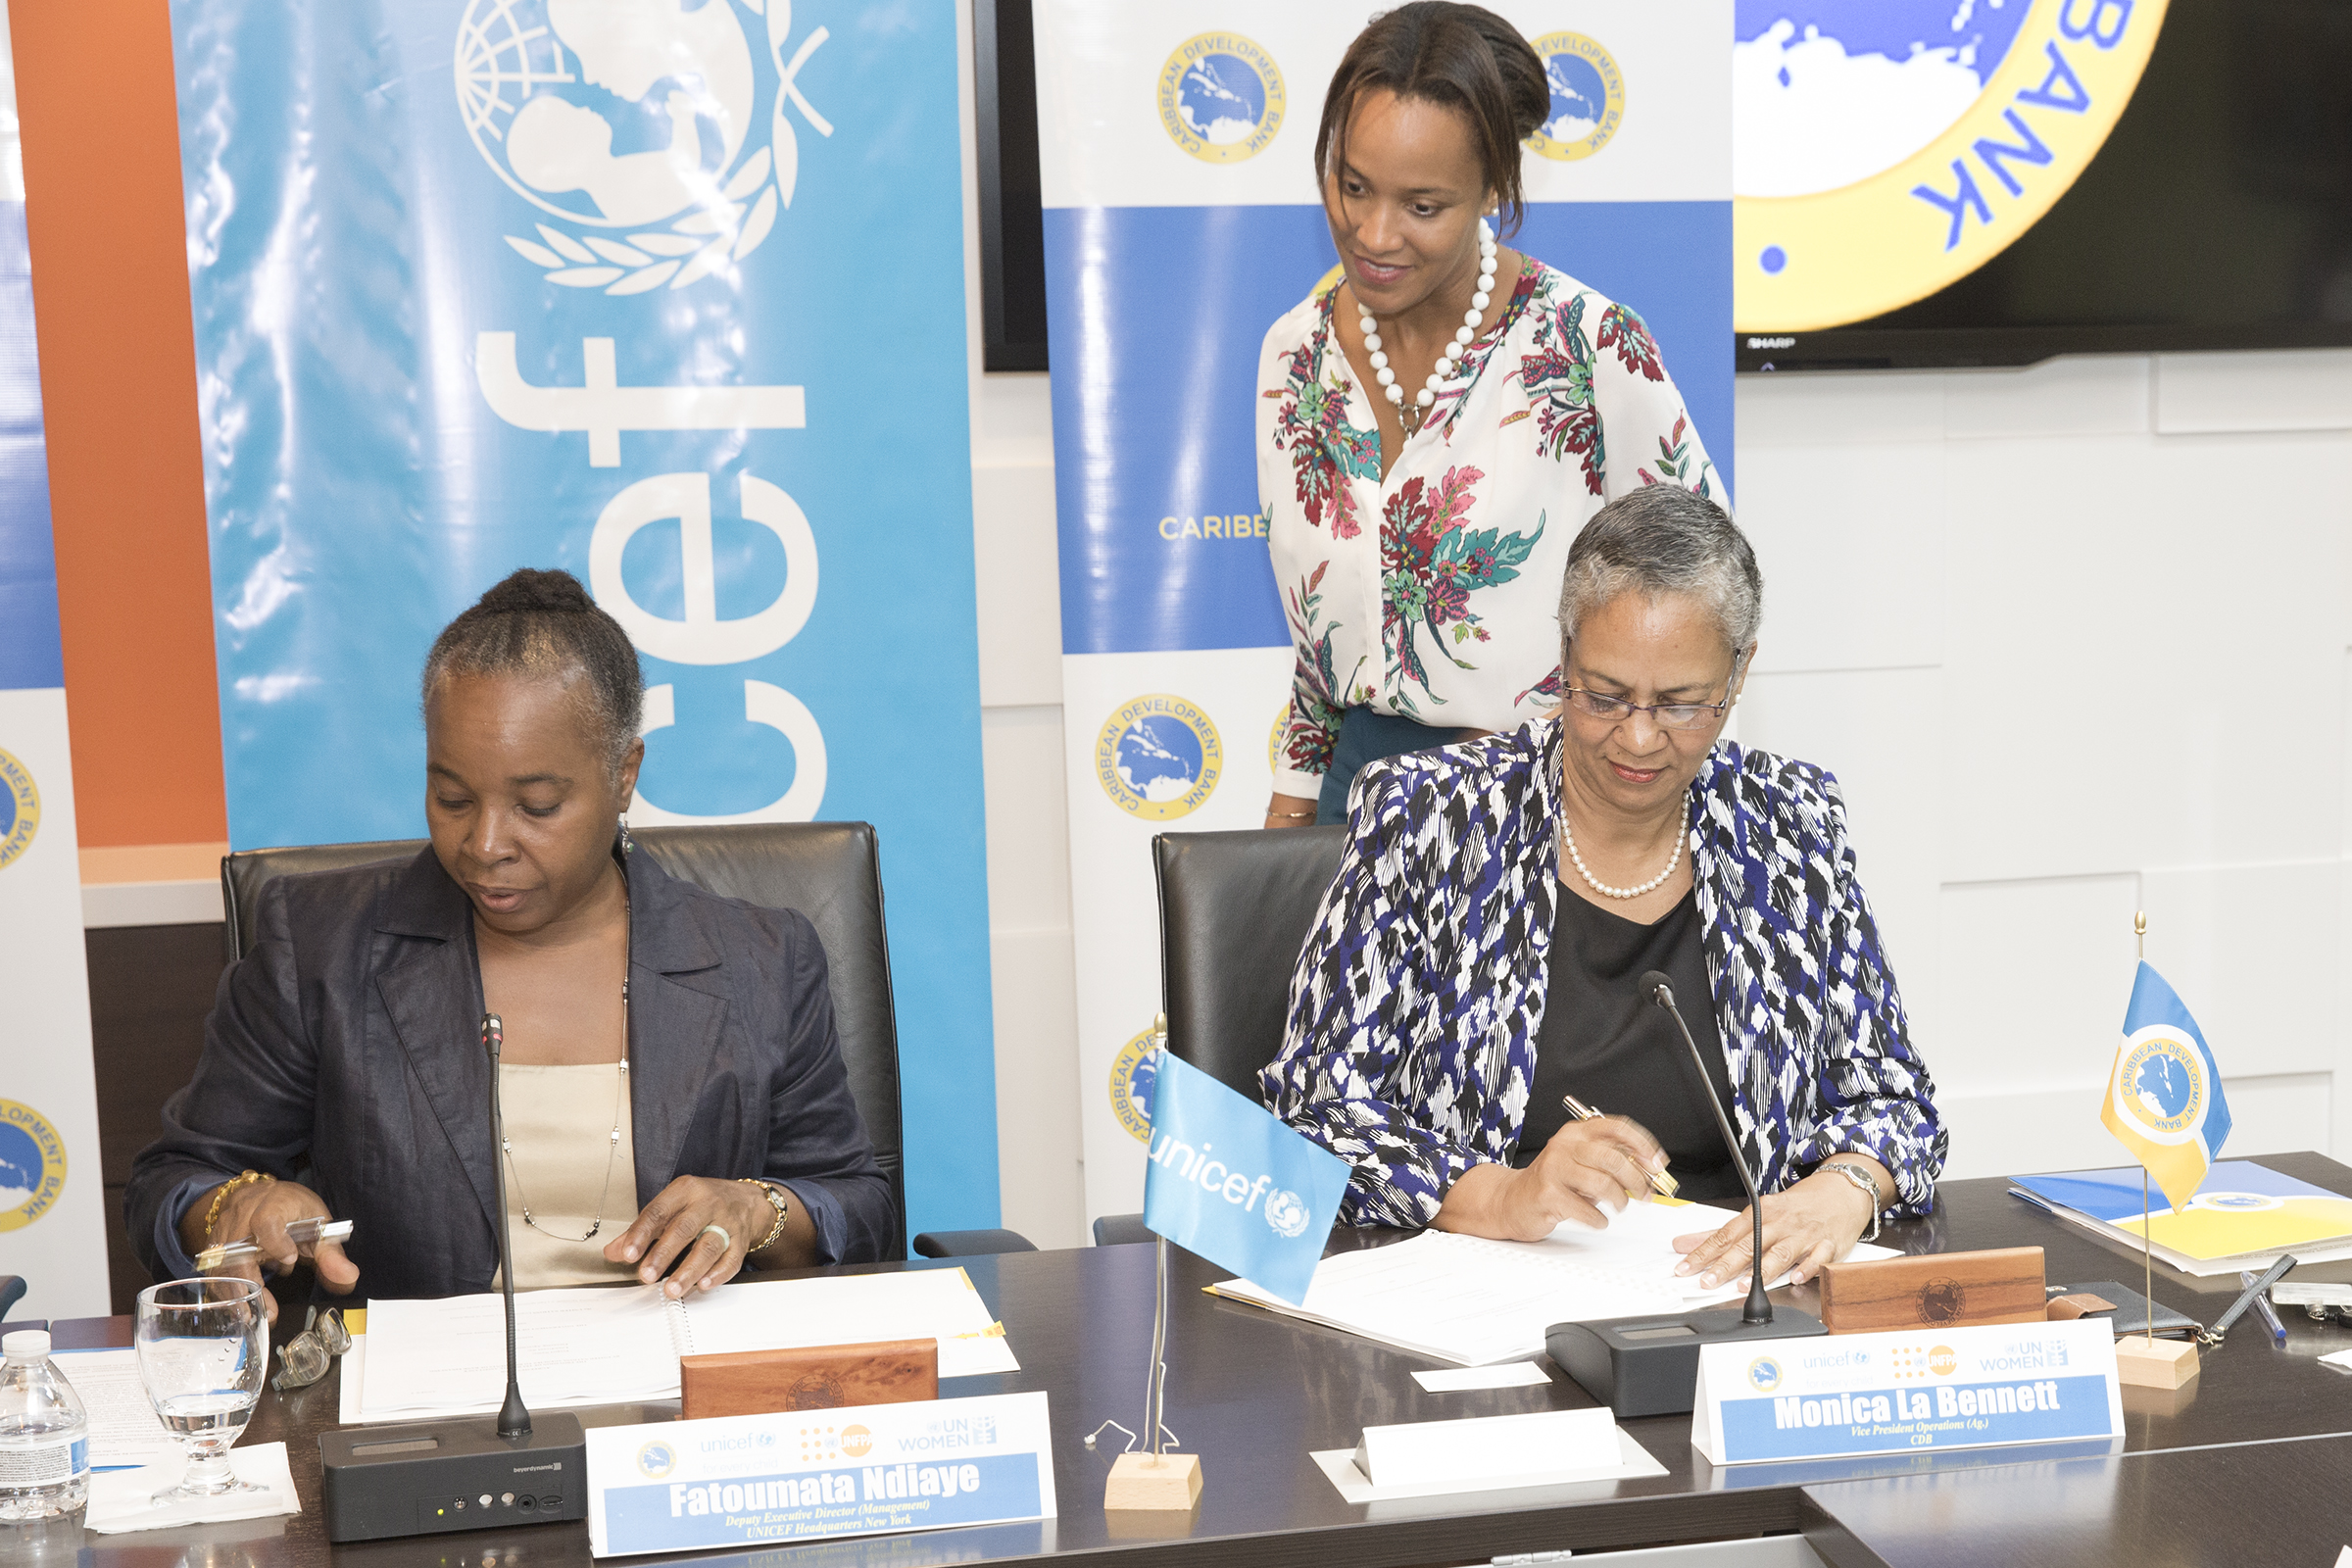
(2075, 638)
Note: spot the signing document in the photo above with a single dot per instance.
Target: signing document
(1471, 1301)
(609, 1345)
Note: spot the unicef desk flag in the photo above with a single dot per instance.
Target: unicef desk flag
(2163, 1098)
(1231, 1181)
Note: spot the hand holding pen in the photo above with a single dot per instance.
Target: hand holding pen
(301, 1232)
(1660, 1182)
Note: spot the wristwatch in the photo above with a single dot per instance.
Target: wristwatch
(776, 1201)
(1868, 1183)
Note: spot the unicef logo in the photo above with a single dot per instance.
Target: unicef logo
(1764, 1374)
(1159, 758)
(32, 1163)
(636, 116)
(20, 807)
(1286, 1214)
(1588, 97)
(1220, 97)
(1134, 1074)
(2160, 1089)
(1882, 149)
(655, 1460)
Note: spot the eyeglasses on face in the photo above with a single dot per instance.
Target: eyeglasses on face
(1667, 715)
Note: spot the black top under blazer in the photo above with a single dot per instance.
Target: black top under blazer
(347, 1040)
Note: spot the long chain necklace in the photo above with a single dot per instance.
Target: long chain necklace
(1450, 359)
(620, 1093)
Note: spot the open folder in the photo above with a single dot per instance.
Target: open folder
(605, 1345)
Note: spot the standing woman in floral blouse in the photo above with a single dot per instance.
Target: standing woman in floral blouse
(1440, 416)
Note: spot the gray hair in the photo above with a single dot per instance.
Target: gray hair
(1663, 539)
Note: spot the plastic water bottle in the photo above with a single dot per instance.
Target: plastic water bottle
(44, 1433)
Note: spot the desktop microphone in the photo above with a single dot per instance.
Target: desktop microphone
(1650, 1365)
(467, 1473)
(515, 1417)
(1659, 988)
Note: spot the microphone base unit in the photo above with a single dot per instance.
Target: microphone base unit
(424, 1478)
(1650, 1365)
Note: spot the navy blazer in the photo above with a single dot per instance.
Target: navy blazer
(347, 1040)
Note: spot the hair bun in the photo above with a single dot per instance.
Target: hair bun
(530, 589)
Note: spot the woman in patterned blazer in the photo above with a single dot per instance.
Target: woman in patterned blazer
(1475, 961)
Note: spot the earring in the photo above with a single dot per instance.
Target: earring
(627, 845)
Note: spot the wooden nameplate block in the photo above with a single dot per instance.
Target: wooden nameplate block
(1148, 1482)
(824, 1377)
(1940, 1291)
(2146, 1363)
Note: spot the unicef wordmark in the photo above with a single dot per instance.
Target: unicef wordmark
(537, 83)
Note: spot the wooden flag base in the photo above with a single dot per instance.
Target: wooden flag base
(1166, 1481)
(2156, 1363)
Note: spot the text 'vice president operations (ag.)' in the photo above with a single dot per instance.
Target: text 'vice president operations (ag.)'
(676, 1097)
(1478, 955)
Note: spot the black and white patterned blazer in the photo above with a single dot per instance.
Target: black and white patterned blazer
(1418, 1000)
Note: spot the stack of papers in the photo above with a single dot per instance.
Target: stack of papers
(125, 1429)
(616, 1345)
(2243, 1217)
(1471, 1301)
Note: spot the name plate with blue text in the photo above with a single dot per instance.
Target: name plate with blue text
(803, 1475)
(1906, 1393)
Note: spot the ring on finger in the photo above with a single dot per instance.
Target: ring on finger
(720, 1231)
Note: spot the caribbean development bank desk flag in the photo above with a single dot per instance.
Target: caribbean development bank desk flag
(2163, 1098)
(1232, 1182)
(670, 294)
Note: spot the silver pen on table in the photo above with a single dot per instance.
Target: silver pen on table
(1660, 1182)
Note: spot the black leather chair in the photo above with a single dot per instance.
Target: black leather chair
(1235, 910)
(11, 1290)
(829, 872)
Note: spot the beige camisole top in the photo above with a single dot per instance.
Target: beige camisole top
(559, 1123)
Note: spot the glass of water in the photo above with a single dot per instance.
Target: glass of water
(204, 1353)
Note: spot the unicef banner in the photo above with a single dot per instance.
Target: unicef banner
(668, 293)
(1181, 218)
(52, 1197)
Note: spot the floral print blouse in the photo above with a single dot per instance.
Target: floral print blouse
(1433, 594)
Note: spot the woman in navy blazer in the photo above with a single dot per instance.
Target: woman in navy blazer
(345, 1048)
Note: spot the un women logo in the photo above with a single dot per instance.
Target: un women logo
(1159, 758)
(20, 807)
(32, 1164)
(1588, 97)
(1883, 149)
(1220, 97)
(636, 116)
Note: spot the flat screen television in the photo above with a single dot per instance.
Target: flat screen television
(1947, 182)
(1960, 182)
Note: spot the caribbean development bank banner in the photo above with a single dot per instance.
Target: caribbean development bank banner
(1181, 218)
(52, 1198)
(668, 293)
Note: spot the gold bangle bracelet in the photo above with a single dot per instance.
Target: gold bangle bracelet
(1291, 815)
(775, 1200)
(212, 1216)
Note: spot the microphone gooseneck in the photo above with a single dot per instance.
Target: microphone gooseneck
(1658, 988)
(514, 1417)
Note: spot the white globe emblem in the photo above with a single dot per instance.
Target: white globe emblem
(1286, 1213)
(636, 115)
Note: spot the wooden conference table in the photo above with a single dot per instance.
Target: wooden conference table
(1255, 1392)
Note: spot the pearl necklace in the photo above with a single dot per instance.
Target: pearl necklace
(1568, 841)
(1450, 359)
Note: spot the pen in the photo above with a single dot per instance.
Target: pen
(1661, 1182)
(314, 1229)
(2262, 1304)
(2253, 1294)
